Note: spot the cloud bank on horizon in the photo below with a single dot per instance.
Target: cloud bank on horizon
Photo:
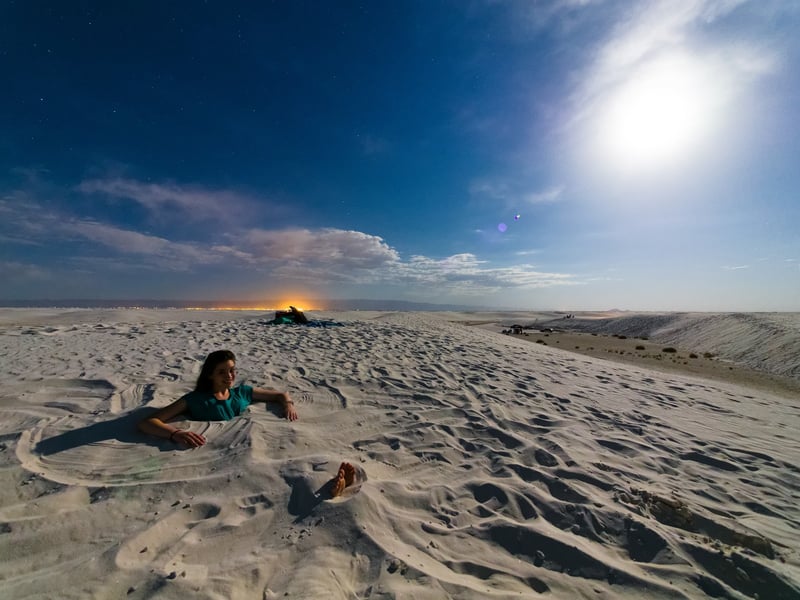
(562, 154)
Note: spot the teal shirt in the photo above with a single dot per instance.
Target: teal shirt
(204, 407)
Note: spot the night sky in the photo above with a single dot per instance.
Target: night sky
(540, 154)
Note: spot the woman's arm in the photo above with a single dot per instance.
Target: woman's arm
(282, 398)
(156, 425)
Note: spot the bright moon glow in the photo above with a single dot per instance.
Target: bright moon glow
(660, 116)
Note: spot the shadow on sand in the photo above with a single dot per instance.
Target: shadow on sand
(122, 429)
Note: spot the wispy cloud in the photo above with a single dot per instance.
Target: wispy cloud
(188, 202)
(553, 194)
(466, 273)
(735, 268)
(525, 17)
(513, 194)
(655, 29)
(171, 255)
(372, 145)
(325, 255)
(14, 271)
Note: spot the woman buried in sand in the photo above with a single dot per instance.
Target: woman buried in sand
(213, 399)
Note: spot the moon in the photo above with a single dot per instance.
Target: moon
(660, 116)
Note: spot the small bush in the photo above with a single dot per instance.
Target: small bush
(693, 355)
(640, 347)
(708, 355)
(669, 350)
(622, 337)
(541, 342)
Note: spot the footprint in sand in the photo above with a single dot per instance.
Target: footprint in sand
(158, 544)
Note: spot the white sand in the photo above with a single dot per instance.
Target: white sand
(489, 467)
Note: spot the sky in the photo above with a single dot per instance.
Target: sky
(539, 154)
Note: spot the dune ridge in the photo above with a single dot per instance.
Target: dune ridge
(488, 467)
(768, 342)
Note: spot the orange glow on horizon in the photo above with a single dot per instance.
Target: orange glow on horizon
(229, 308)
(300, 302)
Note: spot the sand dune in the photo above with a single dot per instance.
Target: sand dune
(488, 466)
(767, 342)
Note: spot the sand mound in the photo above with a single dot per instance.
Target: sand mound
(768, 342)
(487, 467)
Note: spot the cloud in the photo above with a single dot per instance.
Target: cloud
(14, 271)
(171, 255)
(352, 249)
(513, 194)
(524, 17)
(735, 268)
(326, 255)
(18, 240)
(654, 29)
(189, 202)
(465, 273)
(372, 145)
(552, 194)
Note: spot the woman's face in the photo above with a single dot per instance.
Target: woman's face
(223, 375)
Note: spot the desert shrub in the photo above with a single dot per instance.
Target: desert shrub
(707, 355)
(640, 347)
(622, 337)
(669, 350)
(693, 355)
(541, 342)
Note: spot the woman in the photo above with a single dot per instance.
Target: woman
(213, 399)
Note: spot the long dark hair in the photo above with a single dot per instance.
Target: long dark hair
(212, 360)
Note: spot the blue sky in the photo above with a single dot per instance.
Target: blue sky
(565, 154)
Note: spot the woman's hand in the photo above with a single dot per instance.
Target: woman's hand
(188, 438)
(282, 398)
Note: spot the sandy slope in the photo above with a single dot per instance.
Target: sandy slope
(489, 467)
(760, 351)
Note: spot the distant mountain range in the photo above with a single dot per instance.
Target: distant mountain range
(346, 304)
